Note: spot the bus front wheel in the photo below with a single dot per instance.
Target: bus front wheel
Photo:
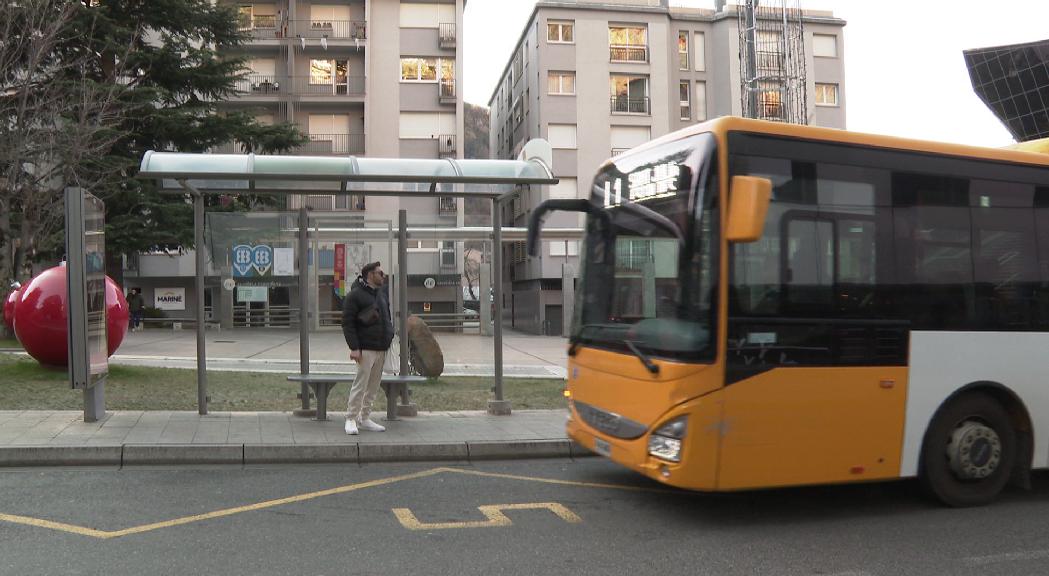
(968, 452)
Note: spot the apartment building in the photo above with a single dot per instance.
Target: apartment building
(379, 78)
(596, 78)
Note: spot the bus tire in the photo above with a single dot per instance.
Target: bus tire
(969, 451)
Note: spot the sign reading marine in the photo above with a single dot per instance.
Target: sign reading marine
(169, 298)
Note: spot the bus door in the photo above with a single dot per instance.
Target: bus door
(815, 378)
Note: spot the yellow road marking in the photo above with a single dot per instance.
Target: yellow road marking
(561, 482)
(494, 513)
(39, 523)
(107, 534)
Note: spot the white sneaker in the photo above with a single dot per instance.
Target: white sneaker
(351, 427)
(368, 426)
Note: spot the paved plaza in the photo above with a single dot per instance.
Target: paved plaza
(43, 437)
(277, 350)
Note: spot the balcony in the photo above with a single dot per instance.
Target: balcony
(332, 145)
(262, 27)
(447, 92)
(259, 85)
(313, 86)
(625, 53)
(627, 105)
(446, 35)
(331, 29)
(446, 145)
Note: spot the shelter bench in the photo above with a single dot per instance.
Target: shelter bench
(393, 385)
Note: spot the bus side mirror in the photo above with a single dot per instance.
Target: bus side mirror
(748, 205)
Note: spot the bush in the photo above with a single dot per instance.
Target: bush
(151, 313)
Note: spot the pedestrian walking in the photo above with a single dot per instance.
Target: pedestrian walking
(135, 305)
(368, 327)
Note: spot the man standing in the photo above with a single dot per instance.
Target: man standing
(368, 327)
(135, 305)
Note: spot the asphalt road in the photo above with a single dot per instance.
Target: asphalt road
(530, 517)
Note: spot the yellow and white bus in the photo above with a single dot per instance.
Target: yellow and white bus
(764, 305)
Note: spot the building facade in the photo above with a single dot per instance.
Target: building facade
(1013, 81)
(379, 78)
(596, 78)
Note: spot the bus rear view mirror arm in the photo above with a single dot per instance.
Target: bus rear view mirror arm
(535, 221)
(748, 206)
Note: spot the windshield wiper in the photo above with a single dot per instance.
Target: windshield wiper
(652, 366)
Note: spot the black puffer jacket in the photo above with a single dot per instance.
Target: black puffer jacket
(366, 320)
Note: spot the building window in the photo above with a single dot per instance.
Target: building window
(446, 204)
(768, 51)
(250, 17)
(682, 50)
(518, 112)
(824, 46)
(770, 100)
(562, 136)
(686, 106)
(448, 254)
(421, 69)
(329, 73)
(447, 82)
(425, 15)
(518, 67)
(629, 94)
(699, 46)
(701, 101)
(561, 83)
(560, 33)
(826, 94)
(628, 44)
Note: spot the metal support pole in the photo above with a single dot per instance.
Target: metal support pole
(402, 288)
(304, 301)
(202, 371)
(750, 50)
(498, 406)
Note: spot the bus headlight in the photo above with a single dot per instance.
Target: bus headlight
(665, 443)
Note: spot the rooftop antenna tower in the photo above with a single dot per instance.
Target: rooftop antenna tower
(772, 60)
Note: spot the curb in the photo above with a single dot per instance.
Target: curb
(244, 454)
(60, 456)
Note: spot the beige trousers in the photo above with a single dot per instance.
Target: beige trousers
(365, 385)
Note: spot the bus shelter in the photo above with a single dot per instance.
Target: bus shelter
(200, 175)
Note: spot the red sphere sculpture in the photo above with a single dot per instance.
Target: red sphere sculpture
(9, 308)
(40, 317)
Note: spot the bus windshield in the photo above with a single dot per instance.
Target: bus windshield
(649, 268)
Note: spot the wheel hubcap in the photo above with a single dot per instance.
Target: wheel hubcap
(974, 451)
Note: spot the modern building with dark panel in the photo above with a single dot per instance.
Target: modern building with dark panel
(1014, 83)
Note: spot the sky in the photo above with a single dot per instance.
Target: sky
(904, 70)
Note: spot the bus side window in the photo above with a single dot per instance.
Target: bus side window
(934, 250)
(1005, 261)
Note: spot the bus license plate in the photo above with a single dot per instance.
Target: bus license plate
(603, 448)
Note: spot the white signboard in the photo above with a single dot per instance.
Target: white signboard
(251, 293)
(283, 261)
(169, 298)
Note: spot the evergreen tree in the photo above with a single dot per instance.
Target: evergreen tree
(173, 59)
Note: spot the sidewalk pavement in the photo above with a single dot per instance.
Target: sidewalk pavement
(123, 438)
